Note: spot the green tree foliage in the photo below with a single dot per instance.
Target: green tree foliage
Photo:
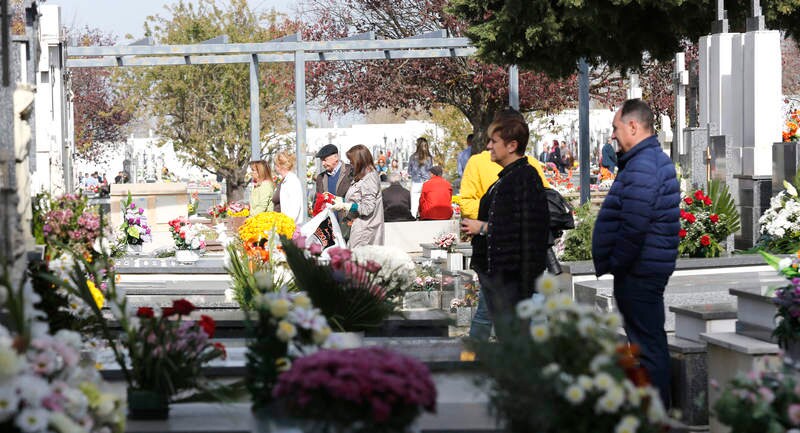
(551, 35)
(578, 241)
(204, 109)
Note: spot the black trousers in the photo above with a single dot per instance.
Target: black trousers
(641, 304)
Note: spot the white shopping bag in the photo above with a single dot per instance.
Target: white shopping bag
(324, 230)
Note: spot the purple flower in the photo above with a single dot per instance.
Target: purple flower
(133, 206)
(141, 211)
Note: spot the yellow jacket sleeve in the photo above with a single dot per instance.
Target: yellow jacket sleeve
(538, 166)
(471, 190)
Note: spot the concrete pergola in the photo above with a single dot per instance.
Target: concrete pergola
(289, 49)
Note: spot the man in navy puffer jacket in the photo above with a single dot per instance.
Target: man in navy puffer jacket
(636, 236)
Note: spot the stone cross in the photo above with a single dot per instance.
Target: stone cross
(634, 91)
(680, 79)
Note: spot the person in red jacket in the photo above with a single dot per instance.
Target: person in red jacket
(437, 194)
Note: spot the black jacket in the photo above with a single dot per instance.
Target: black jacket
(396, 204)
(518, 228)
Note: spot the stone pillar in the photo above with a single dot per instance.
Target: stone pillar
(50, 101)
(693, 163)
(762, 99)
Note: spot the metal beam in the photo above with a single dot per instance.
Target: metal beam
(300, 120)
(269, 47)
(255, 111)
(583, 128)
(265, 58)
(513, 87)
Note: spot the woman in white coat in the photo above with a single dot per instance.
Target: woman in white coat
(363, 201)
(289, 194)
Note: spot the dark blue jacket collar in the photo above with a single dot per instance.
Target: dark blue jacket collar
(651, 141)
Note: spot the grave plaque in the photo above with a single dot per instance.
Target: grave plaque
(785, 163)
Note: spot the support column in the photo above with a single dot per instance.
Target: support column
(300, 119)
(681, 80)
(255, 111)
(583, 128)
(513, 87)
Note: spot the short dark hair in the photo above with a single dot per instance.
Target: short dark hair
(640, 111)
(512, 127)
(436, 170)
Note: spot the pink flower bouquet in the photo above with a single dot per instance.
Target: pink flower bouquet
(360, 390)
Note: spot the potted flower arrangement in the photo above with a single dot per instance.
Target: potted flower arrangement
(358, 390)
(759, 402)
(787, 300)
(134, 228)
(237, 214)
(218, 212)
(189, 240)
(706, 221)
(780, 224)
(167, 354)
(159, 356)
(448, 242)
(464, 308)
(285, 327)
(354, 296)
(69, 224)
(557, 367)
(45, 385)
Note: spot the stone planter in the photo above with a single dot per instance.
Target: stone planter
(134, 250)
(424, 299)
(349, 340)
(147, 405)
(464, 315)
(234, 223)
(272, 420)
(187, 257)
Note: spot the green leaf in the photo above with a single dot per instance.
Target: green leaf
(790, 188)
(722, 203)
(133, 232)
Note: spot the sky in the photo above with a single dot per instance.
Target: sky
(121, 17)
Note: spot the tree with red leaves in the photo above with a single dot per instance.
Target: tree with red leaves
(476, 89)
(99, 110)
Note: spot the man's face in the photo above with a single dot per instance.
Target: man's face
(330, 162)
(624, 132)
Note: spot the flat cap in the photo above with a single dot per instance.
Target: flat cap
(327, 150)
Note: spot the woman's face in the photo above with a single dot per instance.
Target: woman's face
(254, 174)
(281, 170)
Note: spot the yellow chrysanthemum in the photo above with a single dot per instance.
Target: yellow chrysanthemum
(96, 294)
(262, 225)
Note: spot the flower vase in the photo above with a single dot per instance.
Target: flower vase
(134, 250)
(455, 262)
(348, 340)
(464, 316)
(187, 257)
(792, 350)
(147, 405)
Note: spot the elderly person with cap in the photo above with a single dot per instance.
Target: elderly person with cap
(336, 176)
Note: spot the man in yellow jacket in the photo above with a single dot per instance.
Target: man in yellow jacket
(479, 174)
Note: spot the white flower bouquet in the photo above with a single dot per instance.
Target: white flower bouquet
(780, 224)
(557, 368)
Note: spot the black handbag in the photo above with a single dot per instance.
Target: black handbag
(560, 211)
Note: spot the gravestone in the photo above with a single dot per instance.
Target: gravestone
(694, 161)
(785, 163)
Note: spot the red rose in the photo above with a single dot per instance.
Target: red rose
(208, 325)
(699, 195)
(221, 348)
(690, 217)
(145, 312)
(682, 233)
(705, 240)
(707, 201)
(714, 218)
(182, 307)
(168, 311)
(683, 214)
(688, 200)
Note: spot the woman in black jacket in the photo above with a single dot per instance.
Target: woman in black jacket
(511, 232)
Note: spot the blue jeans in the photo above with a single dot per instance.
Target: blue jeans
(481, 327)
(641, 304)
